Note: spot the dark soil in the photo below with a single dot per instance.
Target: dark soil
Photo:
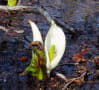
(81, 47)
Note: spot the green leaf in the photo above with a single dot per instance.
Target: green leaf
(40, 75)
(12, 2)
(41, 54)
(35, 68)
(52, 53)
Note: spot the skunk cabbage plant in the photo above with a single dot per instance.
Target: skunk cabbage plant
(13, 2)
(51, 53)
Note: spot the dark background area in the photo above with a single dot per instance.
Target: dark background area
(82, 15)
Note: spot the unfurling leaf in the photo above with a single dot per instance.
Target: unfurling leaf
(40, 75)
(12, 2)
(52, 53)
(37, 65)
(33, 65)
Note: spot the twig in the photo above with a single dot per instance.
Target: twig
(62, 76)
(69, 82)
(65, 26)
(19, 2)
(28, 9)
(68, 64)
(23, 73)
(38, 10)
(87, 6)
(4, 29)
(93, 82)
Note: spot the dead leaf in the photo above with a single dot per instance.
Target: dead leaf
(77, 57)
(96, 59)
(23, 58)
(52, 79)
(85, 50)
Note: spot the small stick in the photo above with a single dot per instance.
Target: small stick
(38, 10)
(69, 82)
(4, 29)
(62, 76)
(68, 64)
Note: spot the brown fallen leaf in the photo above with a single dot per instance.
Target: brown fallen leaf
(23, 58)
(77, 57)
(85, 50)
(52, 79)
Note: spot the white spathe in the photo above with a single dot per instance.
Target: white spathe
(36, 33)
(55, 36)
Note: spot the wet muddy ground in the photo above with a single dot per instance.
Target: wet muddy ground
(81, 48)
